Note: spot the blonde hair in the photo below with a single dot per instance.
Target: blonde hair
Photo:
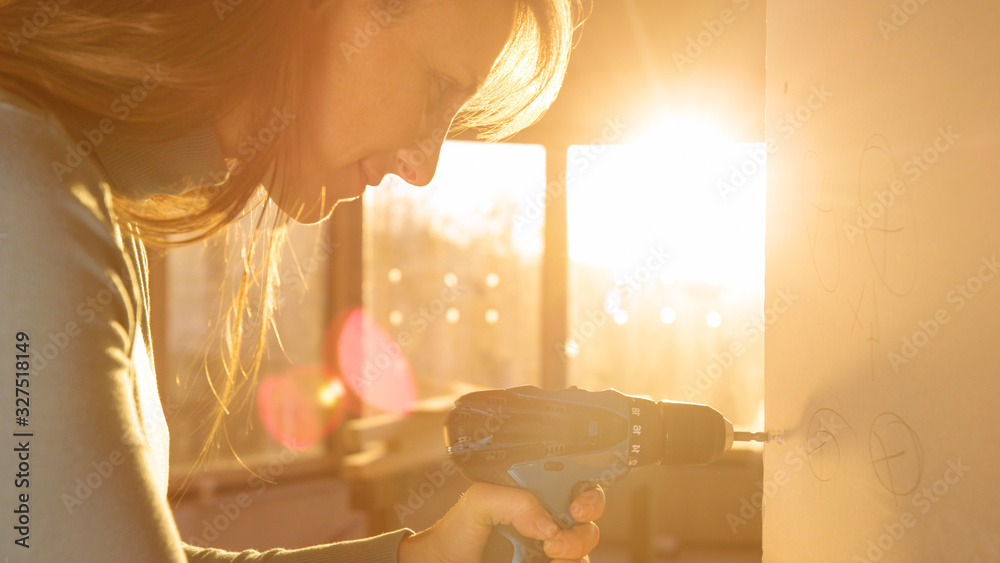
(75, 57)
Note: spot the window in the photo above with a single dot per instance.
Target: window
(666, 271)
(452, 271)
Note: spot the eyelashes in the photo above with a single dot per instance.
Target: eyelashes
(446, 88)
(445, 84)
(447, 96)
(450, 96)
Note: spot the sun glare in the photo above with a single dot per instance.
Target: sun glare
(681, 188)
(666, 248)
(684, 133)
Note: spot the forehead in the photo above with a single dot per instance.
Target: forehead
(457, 35)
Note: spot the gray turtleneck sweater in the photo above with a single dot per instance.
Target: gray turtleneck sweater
(83, 441)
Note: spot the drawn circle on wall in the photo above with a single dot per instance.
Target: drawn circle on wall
(896, 454)
(824, 455)
(886, 217)
(822, 444)
(821, 222)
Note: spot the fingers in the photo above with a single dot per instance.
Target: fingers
(573, 544)
(577, 542)
(589, 505)
(493, 505)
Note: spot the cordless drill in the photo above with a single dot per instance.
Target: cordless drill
(559, 443)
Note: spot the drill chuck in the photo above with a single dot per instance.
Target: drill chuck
(695, 434)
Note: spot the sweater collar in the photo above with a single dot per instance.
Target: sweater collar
(139, 168)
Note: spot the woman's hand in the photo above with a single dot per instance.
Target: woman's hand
(461, 535)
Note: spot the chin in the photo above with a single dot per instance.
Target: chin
(311, 218)
(314, 214)
(322, 207)
(319, 193)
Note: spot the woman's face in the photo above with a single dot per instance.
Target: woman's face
(391, 76)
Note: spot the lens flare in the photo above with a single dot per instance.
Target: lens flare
(301, 406)
(373, 364)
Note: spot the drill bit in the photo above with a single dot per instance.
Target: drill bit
(751, 437)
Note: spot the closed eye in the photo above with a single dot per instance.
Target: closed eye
(446, 87)
(448, 95)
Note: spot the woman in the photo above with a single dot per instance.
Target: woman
(156, 122)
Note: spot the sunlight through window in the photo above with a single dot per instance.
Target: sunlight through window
(666, 249)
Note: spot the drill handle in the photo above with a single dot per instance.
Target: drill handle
(507, 545)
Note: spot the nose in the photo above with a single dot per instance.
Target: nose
(418, 162)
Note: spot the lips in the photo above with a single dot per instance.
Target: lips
(368, 176)
(406, 172)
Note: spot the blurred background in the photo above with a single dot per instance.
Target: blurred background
(616, 243)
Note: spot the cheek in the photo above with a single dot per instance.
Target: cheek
(362, 101)
(368, 112)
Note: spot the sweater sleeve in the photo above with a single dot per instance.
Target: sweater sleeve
(379, 549)
(92, 481)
